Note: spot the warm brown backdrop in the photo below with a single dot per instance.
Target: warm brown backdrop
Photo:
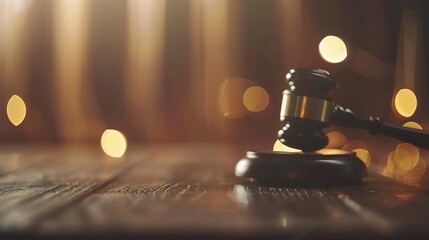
(152, 69)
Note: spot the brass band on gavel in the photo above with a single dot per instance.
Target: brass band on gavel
(305, 107)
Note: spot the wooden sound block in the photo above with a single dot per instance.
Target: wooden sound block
(326, 167)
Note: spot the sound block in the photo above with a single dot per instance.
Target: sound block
(326, 167)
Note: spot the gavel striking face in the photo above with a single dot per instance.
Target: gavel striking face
(306, 109)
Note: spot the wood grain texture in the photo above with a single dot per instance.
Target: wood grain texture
(189, 191)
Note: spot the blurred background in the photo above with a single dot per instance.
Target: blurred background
(152, 71)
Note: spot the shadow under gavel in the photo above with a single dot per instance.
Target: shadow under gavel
(307, 109)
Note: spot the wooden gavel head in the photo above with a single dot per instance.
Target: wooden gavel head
(306, 109)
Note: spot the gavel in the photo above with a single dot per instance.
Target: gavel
(307, 108)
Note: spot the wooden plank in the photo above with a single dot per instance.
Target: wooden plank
(393, 208)
(190, 190)
(193, 190)
(31, 194)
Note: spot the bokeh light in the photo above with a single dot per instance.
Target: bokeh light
(16, 110)
(412, 150)
(280, 147)
(404, 164)
(361, 150)
(403, 159)
(414, 175)
(363, 155)
(355, 144)
(382, 167)
(399, 161)
(405, 102)
(113, 143)
(413, 125)
(333, 49)
(230, 97)
(336, 140)
(256, 99)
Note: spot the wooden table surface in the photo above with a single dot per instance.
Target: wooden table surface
(188, 191)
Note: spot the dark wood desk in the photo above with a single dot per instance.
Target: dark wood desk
(188, 191)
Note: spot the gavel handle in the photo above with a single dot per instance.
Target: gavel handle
(345, 117)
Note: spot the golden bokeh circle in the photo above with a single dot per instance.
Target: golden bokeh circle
(363, 155)
(256, 99)
(414, 175)
(333, 49)
(413, 125)
(280, 147)
(355, 144)
(399, 161)
(404, 164)
(336, 140)
(413, 152)
(113, 143)
(16, 110)
(383, 169)
(405, 102)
